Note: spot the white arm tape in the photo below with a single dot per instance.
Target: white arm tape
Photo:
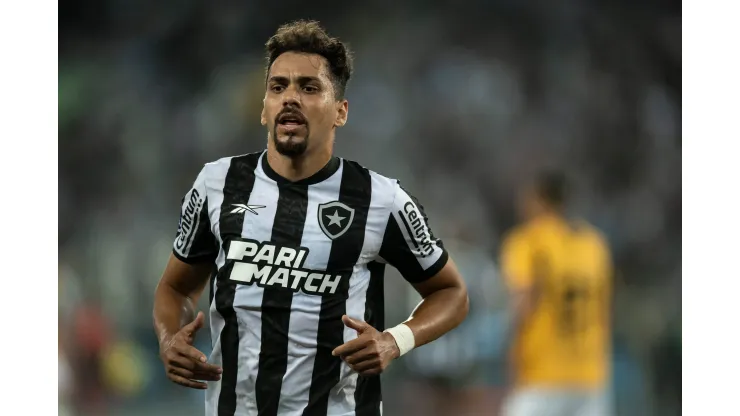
(403, 336)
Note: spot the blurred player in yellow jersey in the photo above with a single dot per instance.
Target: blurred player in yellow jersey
(558, 271)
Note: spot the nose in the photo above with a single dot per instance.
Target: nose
(291, 98)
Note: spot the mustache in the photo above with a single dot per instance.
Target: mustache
(292, 114)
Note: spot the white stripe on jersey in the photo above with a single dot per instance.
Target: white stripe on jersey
(342, 396)
(248, 298)
(215, 177)
(306, 309)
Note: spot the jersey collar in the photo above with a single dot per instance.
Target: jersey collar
(324, 173)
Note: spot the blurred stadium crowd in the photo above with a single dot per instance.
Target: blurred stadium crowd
(460, 100)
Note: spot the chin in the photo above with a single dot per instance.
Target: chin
(291, 146)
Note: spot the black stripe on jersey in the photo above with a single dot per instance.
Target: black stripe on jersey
(287, 230)
(238, 186)
(355, 191)
(368, 394)
(375, 299)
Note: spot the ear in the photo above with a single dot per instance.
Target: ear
(342, 111)
(263, 118)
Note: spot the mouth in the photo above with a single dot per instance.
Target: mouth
(291, 120)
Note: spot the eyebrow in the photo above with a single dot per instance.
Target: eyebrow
(303, 79)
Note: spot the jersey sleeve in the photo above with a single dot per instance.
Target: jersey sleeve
(516, 264)
(408, 243)
(194, 242)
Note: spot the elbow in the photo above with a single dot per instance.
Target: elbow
(464, 306)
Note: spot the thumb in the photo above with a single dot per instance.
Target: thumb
(358, 326)
(196, 324)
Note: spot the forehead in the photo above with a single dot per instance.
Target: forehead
(297, 64)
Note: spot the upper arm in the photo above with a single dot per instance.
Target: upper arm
(185, 278)
(448, 277)
(408, 243)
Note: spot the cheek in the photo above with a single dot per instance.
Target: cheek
(270, 108)
(269, 117)
(325, 115)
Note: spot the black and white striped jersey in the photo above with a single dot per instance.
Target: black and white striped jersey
(291, 259)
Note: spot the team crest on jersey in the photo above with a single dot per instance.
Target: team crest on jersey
(335, 218)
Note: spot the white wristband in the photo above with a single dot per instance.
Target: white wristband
(403, 336)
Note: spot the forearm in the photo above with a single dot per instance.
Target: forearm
(177, 294)
(438, 313)
(170, 308)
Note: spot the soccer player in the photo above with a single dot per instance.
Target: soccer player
(558, 271)
(298, 239)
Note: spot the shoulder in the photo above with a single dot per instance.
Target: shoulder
(213, 173)
(227, 160)
(381, 184)
(220, 167)
(388, 192)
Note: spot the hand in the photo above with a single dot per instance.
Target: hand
(184, 363)
(371, 352)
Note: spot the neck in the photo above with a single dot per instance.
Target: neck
(297, 168)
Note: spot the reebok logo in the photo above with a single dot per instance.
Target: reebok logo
(242, 208)
(268, 264)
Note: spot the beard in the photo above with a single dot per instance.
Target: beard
(290, 146)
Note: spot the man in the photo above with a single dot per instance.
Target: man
(298, 239)
(558, 272)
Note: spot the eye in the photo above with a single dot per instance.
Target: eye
(310, 89)
(277, 88)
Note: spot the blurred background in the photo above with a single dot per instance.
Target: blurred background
(461, 101)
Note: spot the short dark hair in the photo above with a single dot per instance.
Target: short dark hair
(308, 36)
(552, 187)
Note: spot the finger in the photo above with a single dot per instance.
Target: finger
(360, 356)
(180, 361)
(194, 375)
(188, 383)
(350, 347)
(191, 352)
(367, 365)
(184, 361)
(197, 324)
(206, 376)
(181, 372)
(357, 325)
(207, 368)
